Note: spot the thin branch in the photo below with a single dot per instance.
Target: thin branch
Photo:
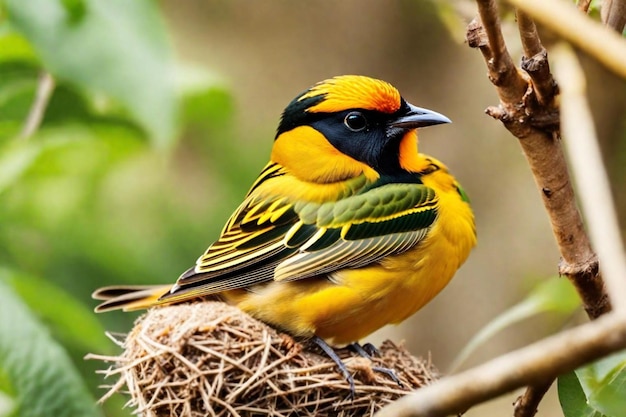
(496, 42)
(528, 33)
(45, 87)
(543, 361)
(546, 160)
(584, 152)
(535, 62)
(538, 364)
(544, 153)
(531, 365)
(613, 13)
(526, 405)
(502, 71)
(600, 42)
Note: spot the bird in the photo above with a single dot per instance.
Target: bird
(348, 228)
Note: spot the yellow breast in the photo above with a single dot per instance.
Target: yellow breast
(352, 303)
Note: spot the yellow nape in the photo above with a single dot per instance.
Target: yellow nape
(354, 92)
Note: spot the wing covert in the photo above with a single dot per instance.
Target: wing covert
(388, 220)
(273, 237)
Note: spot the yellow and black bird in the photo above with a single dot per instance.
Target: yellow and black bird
(347, 228)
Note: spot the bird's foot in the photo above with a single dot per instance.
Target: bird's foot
(368, 351)
(390, 373)
(371, 349)
(328, 350)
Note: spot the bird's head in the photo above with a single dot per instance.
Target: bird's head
(350, 125)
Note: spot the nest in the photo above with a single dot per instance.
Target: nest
(211, 359)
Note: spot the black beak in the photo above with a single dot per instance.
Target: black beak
(417, 117)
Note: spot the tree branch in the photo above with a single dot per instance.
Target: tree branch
(539, 140)
(535, 63)
(517, 110)
(599, 42)
(566, 351)
(531, 365)
(526, 405)
(584, 152)
(502, 71)
(521, 99)
(613, 13)
(528, 34)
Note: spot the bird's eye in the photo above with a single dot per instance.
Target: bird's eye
(355, 121)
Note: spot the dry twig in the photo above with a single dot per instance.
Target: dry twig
(596, 40)
(532, 116)
(535, 63)
(527, 366)
(45, 87)
(211, 359)
(518, 109)
(614, 14)
(584, 152)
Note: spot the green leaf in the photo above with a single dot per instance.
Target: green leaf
(18, 83)
(15, 47)
(572, 397)
(554, 295)
(115, 47)
(597, 390)
(15, 159)
(70, 321)
(7, 405)
(43, 379)
(604, 384)
(206, 99)
(7, 402)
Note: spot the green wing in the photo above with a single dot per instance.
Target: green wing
(358, 230)
(273, 238)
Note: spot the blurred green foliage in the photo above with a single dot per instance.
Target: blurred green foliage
(554, 295)
(130, 173)
(37, 376)
(595, 390)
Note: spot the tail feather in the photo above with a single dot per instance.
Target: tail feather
(129, 297)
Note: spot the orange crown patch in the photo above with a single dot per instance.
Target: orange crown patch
(353, 91)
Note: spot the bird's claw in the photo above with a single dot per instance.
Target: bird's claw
(390, 373)
(368, 351)
(342, 366)
(371, 350)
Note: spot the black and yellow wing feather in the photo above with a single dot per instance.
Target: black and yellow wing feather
(273, 237)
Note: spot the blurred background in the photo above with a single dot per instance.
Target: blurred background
(105, 192)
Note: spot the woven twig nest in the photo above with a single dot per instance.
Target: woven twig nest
(211, 359)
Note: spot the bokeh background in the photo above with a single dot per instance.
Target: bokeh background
(98, 208)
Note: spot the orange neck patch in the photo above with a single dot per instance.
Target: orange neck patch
(409, 158)
(353, 92)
